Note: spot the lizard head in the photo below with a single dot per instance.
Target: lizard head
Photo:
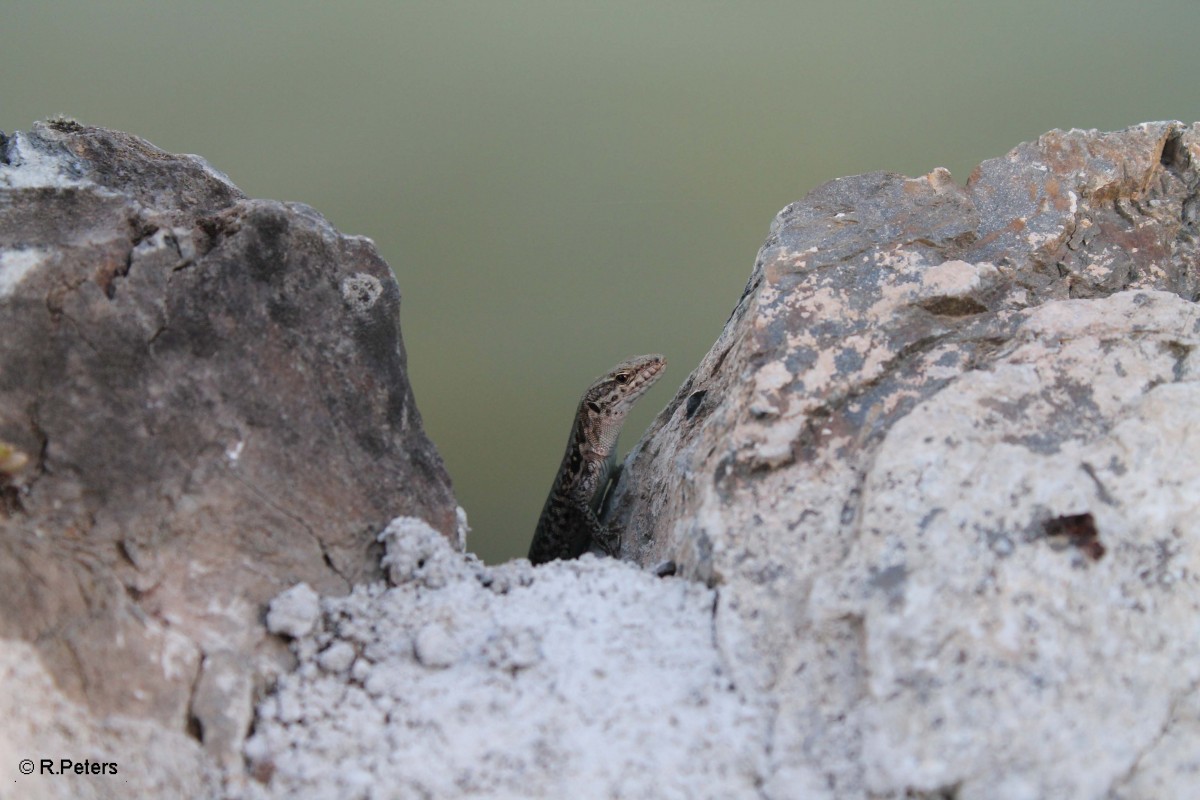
(609, 398)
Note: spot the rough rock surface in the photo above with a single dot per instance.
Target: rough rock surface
(941, 467)
(936, 480)
(203, 401)
(42, 723)
(585, 679)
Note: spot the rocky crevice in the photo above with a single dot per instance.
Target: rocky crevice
(934, 471)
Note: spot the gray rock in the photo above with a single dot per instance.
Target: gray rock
(40, 722)
(937, 473)
(222, 706)
(203, 400)
(940, 467)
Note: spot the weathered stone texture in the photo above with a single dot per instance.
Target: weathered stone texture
(209, 394)
(872, 463)
(40, 722)
(584, 678)
(938, 473)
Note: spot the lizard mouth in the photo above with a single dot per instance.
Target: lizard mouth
(646, 377)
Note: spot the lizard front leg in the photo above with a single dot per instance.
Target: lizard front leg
(610, 487)
(605, 539)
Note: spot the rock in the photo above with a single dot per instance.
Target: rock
(435, 647)
(940, 468)
(413, 551)
(337, 657)
(222, 706)
(932, 496)
(584, 678)
(295, 612)
(203, 401)
(40, 722)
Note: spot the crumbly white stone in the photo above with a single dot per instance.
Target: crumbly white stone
(337, 657)
(587, 679)
(295, 611)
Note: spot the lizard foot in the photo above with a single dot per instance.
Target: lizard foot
(608, 542)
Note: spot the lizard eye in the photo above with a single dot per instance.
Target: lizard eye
(622, 378)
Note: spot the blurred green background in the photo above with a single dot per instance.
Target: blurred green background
(559, 185)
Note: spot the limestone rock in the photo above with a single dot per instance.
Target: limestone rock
(937, 474)
(203, 401)
(940, 466)
(588, 679)
(140, 758)
(295, 612)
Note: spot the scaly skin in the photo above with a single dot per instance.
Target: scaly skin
(570, 521)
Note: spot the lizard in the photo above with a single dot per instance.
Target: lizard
(571, 518)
